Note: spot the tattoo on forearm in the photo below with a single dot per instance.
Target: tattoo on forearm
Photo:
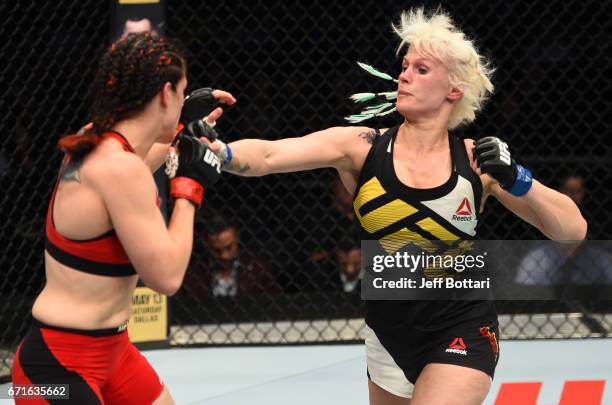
(238, 167)
(71, 172)
(369, 136)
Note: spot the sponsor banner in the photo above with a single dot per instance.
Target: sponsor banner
(149, 320)
(396, 269)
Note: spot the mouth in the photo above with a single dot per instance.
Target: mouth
(403, 93)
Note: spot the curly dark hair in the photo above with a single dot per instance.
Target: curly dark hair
(130, 74)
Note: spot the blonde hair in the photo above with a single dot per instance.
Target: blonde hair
(437, 37)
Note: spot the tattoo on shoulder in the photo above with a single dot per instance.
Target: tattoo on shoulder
(71, 172)
(369, 136)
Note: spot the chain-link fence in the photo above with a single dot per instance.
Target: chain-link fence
(281, 240)
(49, 52)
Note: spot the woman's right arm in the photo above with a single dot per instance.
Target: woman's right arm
(159, 254)
(332, 147)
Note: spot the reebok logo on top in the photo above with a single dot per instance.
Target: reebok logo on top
(464, 211)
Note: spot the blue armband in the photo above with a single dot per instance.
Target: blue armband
(228, 157)
(522, 183)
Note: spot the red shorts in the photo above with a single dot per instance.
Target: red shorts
(100, 366)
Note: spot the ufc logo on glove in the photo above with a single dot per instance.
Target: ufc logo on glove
(213, 160)
(504, 153)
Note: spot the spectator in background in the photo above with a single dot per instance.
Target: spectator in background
(343, 204)
(223, 267)
(318, 265)
(341, 219)
(573, 187)
(142, 25)
(551, 265)
(348, 265)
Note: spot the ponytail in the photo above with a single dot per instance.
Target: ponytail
(82, 143)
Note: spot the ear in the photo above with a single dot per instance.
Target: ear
(454, 94)
(165, 94)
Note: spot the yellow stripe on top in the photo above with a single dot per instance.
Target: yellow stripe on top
(380, 217)
(369, 191)
(436, 229)
(386, 215)
(397, 240)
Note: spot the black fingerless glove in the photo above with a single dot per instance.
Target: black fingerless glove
(200, 128)
(493, 157)
(198, 166)
(198, 104)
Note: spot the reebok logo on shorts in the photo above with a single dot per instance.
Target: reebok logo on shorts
(464, 211)
(457, 346)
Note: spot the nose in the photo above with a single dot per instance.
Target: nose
(405, 75)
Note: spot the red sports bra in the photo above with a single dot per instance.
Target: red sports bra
(103, 255)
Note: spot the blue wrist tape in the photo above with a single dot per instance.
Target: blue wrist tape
(229, 156)
(522, 183)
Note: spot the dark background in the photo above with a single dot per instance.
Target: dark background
(291, 66)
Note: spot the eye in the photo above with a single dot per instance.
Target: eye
(422, 70)
(404, 67)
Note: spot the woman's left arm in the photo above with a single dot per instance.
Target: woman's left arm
(552, 212)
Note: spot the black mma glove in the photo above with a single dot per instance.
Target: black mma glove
(200, 128)
(197, 166)
(196, 107)
(493, 157)
(198, 104)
